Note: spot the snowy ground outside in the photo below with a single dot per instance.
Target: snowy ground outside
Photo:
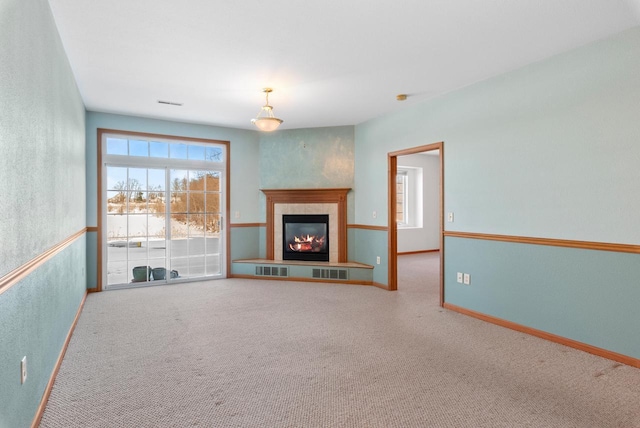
(142, 225)
(192, 253)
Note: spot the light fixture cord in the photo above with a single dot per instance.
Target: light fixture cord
(266, 107)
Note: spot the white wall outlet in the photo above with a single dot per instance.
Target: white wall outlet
(378, 260)
(237, 214)
(375, 214)
(467, 279)
(459, 278)
(450, 217)
(23, 369)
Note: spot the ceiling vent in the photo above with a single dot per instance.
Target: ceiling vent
(171, 103)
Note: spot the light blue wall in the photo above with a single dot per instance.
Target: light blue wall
(43, 202)
(41, 122)
(307, 159)
(246, 243)
(36, 315)
(550, 150)
(92, 255)
(367, 246)
(586, 295)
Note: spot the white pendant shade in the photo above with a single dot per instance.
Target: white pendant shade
(267, 124)
(266, 121)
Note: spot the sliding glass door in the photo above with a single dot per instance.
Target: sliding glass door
(195, 220)
(162, 213)
(136, 223)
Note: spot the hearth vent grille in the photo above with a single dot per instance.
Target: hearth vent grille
(279, 271)
(330, 274)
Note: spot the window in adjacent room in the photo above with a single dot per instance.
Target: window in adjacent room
(409, 197)
(401, 198)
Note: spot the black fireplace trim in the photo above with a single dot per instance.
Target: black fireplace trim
(307, 256)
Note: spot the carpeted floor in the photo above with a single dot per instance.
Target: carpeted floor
(252, 353)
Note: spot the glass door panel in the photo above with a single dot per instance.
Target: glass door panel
(195, 222)
(161, 223)
(135, 224)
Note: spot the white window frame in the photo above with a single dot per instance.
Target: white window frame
(402, 177)
(413, 196)
(168, 164)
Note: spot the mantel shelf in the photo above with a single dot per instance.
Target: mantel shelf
(304, 263)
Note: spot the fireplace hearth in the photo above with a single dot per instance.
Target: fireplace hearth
(333, 266)
(305, 237)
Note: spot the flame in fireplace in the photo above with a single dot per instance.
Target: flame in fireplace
(307, 243)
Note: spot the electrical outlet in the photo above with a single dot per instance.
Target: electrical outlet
(23, 369)
(459, 278)
(467, 279)
(378, 260)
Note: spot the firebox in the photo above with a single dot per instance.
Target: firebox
(305, 237)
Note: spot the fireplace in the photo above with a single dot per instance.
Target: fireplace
(307, 201)
(305, 237)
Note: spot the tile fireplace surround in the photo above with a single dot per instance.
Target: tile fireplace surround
(307, 201)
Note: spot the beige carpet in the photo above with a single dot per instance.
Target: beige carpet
(252, 353)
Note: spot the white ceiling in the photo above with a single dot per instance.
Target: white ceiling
(334, 62)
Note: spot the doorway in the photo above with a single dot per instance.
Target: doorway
(393, 191)
(161, 209)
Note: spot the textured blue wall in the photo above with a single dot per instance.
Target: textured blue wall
(92, 256)
(550, 150)
(42, 172)
(586, 295)
(308, 158)
(367, 246)
(41, 124)
(36, 315)
(245, 243)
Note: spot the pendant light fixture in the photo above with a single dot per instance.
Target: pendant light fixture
(266, 121)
